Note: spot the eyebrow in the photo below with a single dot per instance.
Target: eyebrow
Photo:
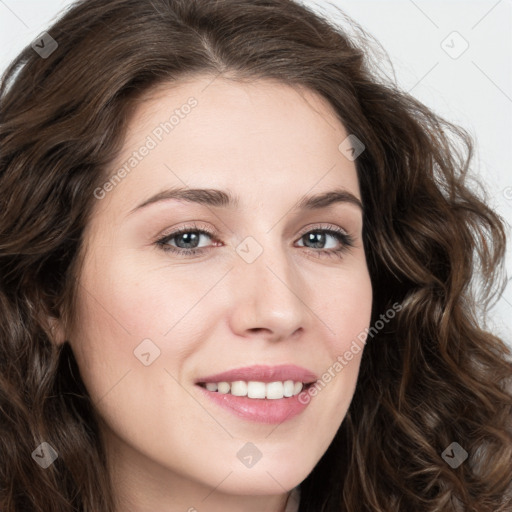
(225, 199)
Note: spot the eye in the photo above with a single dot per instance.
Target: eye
(187, 240)
(318, 236)
(187, 237)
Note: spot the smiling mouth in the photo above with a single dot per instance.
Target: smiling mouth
(257, 389)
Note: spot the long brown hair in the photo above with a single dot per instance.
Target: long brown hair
(432, 376)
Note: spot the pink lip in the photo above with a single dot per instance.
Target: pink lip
(262, 373)
(262, 410)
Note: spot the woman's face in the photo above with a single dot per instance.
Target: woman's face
(266, 287)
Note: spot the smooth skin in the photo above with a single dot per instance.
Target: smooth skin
(170, 447)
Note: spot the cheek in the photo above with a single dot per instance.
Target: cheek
(348, 309)
(115, 313)
(121, 305)
(347, 314)
(125, 299)
(352, 327)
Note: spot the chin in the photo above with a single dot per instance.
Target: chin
(261, 484)
(272, 476)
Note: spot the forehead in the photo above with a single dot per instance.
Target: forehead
(235, 107)
(258, 138)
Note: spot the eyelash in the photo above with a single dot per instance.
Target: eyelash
(345, 239)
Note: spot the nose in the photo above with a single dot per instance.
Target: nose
(270, 297)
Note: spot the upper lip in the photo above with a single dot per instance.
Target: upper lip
(263, 373)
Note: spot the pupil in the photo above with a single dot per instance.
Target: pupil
(317, 234)
(191, 235)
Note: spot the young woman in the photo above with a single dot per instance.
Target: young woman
(236, 274)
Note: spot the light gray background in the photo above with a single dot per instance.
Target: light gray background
(473, 89)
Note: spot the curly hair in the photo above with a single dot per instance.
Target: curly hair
(432, 376)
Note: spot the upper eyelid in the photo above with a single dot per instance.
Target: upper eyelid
(214, 233)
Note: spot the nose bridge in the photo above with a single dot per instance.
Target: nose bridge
(269, 290)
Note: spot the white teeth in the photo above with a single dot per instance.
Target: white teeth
(239, 388)
(256, 389)
(223, 387)
(275, 390)
(288, 388)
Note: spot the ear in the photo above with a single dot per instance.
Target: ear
(55, 330)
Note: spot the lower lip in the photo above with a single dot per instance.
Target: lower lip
(262, 410)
